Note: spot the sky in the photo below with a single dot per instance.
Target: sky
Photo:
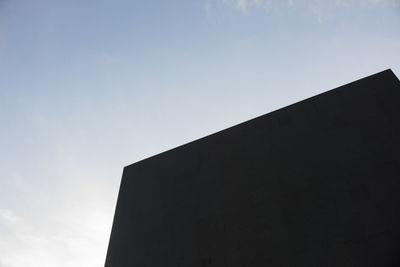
(88, 87)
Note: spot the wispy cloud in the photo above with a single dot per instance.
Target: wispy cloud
(71, 230)
(56, 239)
(8, 217)
(321, 9)
(2, 264)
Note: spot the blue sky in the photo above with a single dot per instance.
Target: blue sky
(88, 87)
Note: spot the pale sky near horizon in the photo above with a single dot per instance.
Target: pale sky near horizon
(88, 87)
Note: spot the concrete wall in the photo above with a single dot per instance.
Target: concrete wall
(316, 183)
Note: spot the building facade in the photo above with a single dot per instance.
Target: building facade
(316, 183)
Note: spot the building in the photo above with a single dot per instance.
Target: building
(316, 183)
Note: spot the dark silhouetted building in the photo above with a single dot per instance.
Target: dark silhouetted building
(316, 183)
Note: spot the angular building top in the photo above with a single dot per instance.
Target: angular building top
(313, 184)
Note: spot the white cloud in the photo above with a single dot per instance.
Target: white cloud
(64, 238)
(8, 217)
(208, 7)
(2, 264)
(321, 9)
(245, 5)
(70, 231)
(318, 10)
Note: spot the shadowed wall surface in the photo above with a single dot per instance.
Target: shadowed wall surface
(316, 183)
